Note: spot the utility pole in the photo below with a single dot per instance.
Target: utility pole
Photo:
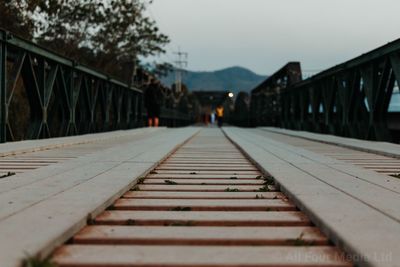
(180, 63)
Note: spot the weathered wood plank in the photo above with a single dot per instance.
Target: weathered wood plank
(204, 205)
(202, 195)
(383, 148)
(21, 147)
(207, 168)
(204, 188)
(201, 176)
(181, 235)
(185, 256)
(356, 223)
(203, 218)
(49, 220)
(233, 180)
(14, 182)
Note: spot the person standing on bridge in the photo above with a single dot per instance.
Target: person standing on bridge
(220, 115)
(152, 102)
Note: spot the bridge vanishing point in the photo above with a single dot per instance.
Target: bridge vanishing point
(109, 192)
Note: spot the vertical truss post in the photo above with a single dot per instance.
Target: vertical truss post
(140, 109)
(303, 99)
(3, 86)
(70, 90)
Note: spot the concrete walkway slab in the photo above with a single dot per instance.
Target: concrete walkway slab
(358, 215)
(49, 210)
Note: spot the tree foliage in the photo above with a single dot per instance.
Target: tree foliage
(159, 69)
(105, 34)
(14, 17)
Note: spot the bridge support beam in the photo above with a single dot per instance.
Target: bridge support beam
(3, 85)
(43, 94)
(351, 99)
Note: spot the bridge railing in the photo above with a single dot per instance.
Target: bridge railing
(266, 102)
(43, 94)
(241, 113)
(350, 99)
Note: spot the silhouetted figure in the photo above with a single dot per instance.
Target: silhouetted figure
(220, 115)
(212, 118)
(152, 101)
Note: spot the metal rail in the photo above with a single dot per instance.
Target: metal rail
(350, 99)
(43, 94)
(265, 107)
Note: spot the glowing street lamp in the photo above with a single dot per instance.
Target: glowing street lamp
(230, 94)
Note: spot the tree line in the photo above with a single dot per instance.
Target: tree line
(108, 35)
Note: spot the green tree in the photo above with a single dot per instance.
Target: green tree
(159, 69)
(14, 17)
(103, 33)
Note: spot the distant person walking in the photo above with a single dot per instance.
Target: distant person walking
(212, 117)
(220, 115)
(152, 102)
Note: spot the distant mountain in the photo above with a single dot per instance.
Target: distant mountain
(234, 79)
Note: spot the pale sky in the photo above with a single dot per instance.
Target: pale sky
(263, 35)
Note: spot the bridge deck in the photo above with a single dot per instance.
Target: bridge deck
(356, 208)
(42, 208)
(257, 231)
(379, 148)
(349, 195)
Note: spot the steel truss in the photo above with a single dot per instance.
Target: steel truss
(350, 99)
(63, 97)
(266, 106)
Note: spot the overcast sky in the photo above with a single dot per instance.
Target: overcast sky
(263, 35)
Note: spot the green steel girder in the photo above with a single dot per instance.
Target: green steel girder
(3, 86)
(350, 99)
(63, 97)
(241, 116)
(267, 99)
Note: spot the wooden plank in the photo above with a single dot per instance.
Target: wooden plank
(216, 172)
(33, 176)
(202, 195)
(18, 200)
(377, 164)
(204, 188)
(204, 205)
(228, 181)
(68, 210)
(22, 164)
(203, 218)
(206, 157)
(197, 256)
(214, 217)
(85, 169)
(66, 213)
(344, 218)
(21, 147)
(205, 178)
(208, 150)
(206, 168)
(208, 153)
(344, 172)
(201, 176)
(207, 161)
(199, 164)
(17, 168)
(382, 148)
(38, 161)
(181, 235)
